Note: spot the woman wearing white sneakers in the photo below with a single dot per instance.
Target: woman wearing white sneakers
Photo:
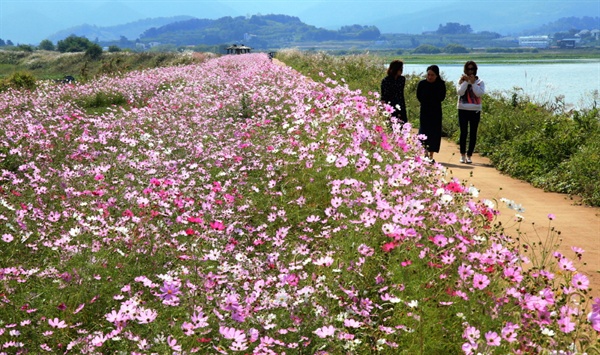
(470, 89)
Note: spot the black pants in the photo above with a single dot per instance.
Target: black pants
(466, 119)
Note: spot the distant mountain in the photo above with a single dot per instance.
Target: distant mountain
(566, 24)
(32, 21)
(131, 31)
(504, 17)
(29, 22)
(261, 30)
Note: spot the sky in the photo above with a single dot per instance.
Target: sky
(30, 21)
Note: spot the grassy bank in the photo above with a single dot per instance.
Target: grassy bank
(554, 150)
(55, 65)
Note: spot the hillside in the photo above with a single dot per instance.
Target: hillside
(131, 30)
(262, 31)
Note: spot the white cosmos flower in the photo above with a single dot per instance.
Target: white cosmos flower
(413, 304)
(473, 191)
(445, 199)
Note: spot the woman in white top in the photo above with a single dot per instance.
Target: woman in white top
(470, 89)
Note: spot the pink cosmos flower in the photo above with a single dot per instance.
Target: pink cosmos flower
(232, 333)
(513, 274)
(492, 339)
(57, 323)
(336, 201)
(471, 334)
(509, 332)
(440, 240)
(146, 316)
(169, 291)
(469, 348)
(366, 250)
(172, 342)
(7, 238)
(566, 264)
(351, 323)
(292, 279)
(217, 225)
(465, 271)
(387, 247)
(580, 281)
(594, 319)
(566, 325)
(325, 331)
(324, 261)
(480, 281)
(596, 305)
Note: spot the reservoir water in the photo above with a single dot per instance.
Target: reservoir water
(578, 82)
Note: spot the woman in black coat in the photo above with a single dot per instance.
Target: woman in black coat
(430, 93)
(392, 90)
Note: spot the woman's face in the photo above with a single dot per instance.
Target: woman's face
(431, 77)
(470, 69)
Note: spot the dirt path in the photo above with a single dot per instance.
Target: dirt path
(578, 225)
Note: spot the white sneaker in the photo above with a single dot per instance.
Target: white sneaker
(463, 159)
(469, 160)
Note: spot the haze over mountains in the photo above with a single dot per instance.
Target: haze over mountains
(31, 21)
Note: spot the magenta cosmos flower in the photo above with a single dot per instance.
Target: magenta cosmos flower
(169, 291)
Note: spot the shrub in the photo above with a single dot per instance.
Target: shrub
(100, 101)
(455, 48)
(427, 49)
(46, 45)
(20, 80)
(93, 52)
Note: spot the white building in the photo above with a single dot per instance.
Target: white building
(534, 41)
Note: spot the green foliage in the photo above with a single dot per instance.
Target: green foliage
(454, 28)
(25, 48)
(93, 52)
(56, 65)
(427, 49)
(579, 175)
(100, 101)
(73, 44)
(271, 31)
(19, 80)
(9, 162)
(362, 72)
(113, 49)
(455, 48)
(46, 45)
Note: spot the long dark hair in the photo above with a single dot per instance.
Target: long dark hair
(395, 65)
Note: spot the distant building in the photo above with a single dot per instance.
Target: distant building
(567, 42)
(534, 41)
(241, 49)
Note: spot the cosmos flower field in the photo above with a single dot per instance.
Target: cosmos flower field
(237, 207)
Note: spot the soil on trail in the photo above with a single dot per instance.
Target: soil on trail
(579, 226)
